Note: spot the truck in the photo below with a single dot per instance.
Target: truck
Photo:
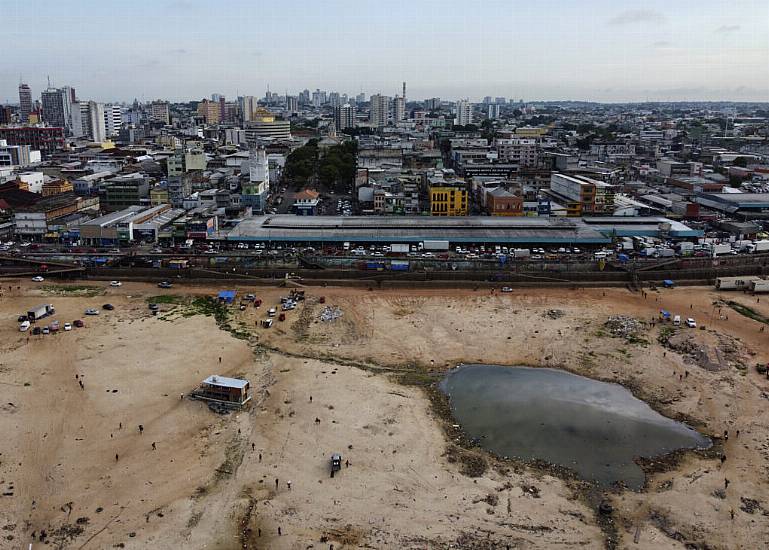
(399, 265)
(399, 248)
(40, 311)
(521, 253)
(758, 286)
(666, 253)
(721, 249)
(761, 246)
(685, 248)
(735, 283)
(435, 245)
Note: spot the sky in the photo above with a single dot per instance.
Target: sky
(586, 50)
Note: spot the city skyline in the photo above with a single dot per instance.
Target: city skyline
(554, 50)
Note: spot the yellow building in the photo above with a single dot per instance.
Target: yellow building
(56, 187)
(531, 131)
(448, 200)
(158, 196)
(210, 111)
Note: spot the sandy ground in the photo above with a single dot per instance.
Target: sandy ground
(205, 485)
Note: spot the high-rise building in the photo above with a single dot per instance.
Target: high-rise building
(464, 113)
(500, 100)
(113, 119)
(487, 100)
(334, 99)
(254, 191)
(248, 106)
(433, 103)
(494, 110)
(292, 104)
(380, 110)
(92, 118)
(76, 120)
(304, 97)
(344, 117)
(56, 106)
(159, 112)
(360, 98)
(25, 102)
(209, 110)
(399, 109)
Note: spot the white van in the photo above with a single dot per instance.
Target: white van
(273, 311)
(24, 326)
(677, 320)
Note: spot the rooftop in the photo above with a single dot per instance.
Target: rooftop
(216, 380)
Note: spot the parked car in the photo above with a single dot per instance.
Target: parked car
(37, 330)
(91, 311)
(46, 330)
(115, 283)
(164, 284)
(67, 327)
(691, 323)
(38, 279)
(108, 307)
(154, 307)
(78, 323)
(506, 289)
(22, 318)
(24, 326)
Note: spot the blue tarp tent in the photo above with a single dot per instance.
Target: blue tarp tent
(668, 283)
(227, 296)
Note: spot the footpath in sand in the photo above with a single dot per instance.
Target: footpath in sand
(210, 482)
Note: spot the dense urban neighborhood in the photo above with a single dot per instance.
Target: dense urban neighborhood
(425, 288)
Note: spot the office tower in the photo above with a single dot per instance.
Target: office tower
(25, 102)
(76, 119)
(494, 110)
(360, 98)
(56, 108)
(210, 111)
(404, 92)
(380, 110)
(344, 117)
(464, 113)
(399, 109)
(487, 100)
(500, 100)
(304, 97)
(334, 99)
(433, 103)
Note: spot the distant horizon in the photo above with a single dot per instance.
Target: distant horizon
(598, 51)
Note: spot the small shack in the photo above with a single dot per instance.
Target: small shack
(232, 392)
(227, 296)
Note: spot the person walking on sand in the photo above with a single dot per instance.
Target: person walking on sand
(726, 483)
(141, 429)
(260, 457)
(731, 513)
(288, 483)
(276, 483)
(116, 457)
(253, 447)
(154, 447)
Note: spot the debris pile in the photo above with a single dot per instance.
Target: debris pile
(330, 313)
(554, 313)
(623, 326)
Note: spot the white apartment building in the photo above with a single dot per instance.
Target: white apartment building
(92, 119)
(464, 114)
(113, 119)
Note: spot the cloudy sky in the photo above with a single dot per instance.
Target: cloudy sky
(599, 50)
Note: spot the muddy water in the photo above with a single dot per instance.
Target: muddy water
(594, 428)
